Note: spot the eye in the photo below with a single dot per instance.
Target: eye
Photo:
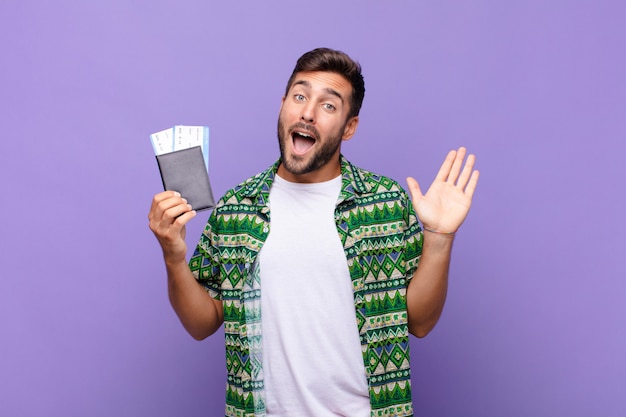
(299, 97)
(329, 107)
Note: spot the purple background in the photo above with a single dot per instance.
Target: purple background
(535, 323)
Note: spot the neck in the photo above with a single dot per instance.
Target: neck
(325, 173)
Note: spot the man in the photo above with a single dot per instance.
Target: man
(312, 265)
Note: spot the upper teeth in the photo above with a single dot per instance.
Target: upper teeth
(304, 134)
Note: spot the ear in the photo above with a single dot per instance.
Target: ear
(350, 128)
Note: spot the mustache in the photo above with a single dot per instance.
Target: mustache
(304, 127)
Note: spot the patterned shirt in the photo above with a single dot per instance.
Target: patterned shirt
(382, 242)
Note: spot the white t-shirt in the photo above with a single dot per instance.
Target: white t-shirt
(312, 357)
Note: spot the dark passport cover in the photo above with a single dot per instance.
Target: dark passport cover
(184, 171)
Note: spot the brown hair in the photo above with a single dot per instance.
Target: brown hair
(330, 60)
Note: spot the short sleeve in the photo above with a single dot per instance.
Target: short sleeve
(204, 262)
(413, 240)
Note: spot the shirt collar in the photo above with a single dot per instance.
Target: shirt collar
(353, 182)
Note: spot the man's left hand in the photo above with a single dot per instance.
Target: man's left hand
(445, 205)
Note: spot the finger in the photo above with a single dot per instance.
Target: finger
(471, 185)
(467, 171)
(172, 202)
(444, 171)
(164, 212)
(414, 188)
(159, 198)
(164, 195)
(182, 220)
(171, 213)
(176, 230)
(157, 211)
(172, 220)
(456, 165)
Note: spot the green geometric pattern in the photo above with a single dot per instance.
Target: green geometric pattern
(382, 242)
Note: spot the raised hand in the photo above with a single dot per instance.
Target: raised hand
(445, 205)
(168, 215)
(199, 313)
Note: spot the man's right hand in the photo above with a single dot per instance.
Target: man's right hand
(199, 313)
(168, 216)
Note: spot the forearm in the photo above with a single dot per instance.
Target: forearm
(426, 294)
(200, 314)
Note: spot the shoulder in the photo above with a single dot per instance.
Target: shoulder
(368, 182)
(244, 192)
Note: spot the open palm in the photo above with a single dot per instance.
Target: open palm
(445, 205)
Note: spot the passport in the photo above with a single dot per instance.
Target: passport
(182, 155)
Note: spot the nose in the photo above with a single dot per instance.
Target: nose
(308, 113)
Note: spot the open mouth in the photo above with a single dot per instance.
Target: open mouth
(302, 141)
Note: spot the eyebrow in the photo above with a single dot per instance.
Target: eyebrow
(328, 90)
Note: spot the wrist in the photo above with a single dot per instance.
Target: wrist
(174, 261)
(437, 242)
(438, 232)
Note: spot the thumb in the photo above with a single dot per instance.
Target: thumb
(414, 188)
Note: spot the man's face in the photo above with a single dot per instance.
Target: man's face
(313, 121)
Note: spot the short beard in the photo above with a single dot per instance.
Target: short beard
(320, 158)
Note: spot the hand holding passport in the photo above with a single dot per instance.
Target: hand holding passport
(182, 156)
